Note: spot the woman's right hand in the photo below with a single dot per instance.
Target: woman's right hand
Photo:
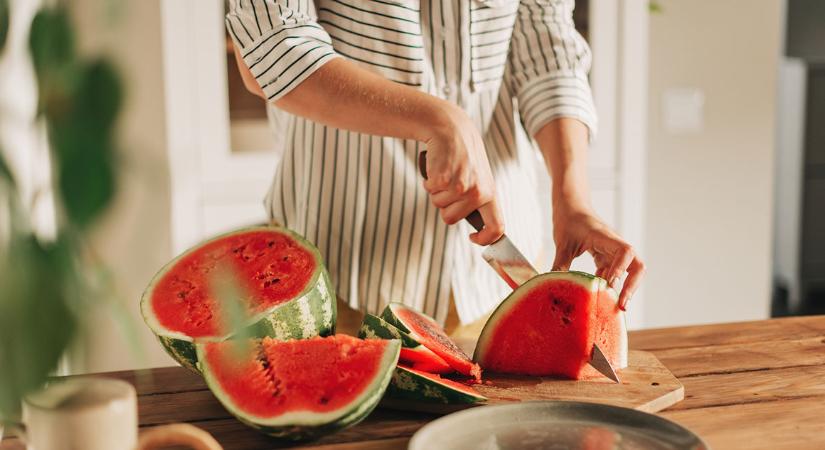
(459, 179)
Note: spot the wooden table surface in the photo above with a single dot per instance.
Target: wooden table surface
(750, 385)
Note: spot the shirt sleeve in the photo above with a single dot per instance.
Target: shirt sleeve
(280, 41)
(548, 66)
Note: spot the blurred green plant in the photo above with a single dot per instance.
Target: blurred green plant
(47, 284)
(4, 22)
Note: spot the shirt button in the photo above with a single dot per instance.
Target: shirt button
(446, 90)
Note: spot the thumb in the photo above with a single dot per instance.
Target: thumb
(562, 260)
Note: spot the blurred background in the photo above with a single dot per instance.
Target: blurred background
(710, 156)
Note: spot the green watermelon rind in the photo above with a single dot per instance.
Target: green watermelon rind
(312, 313)
(409, 385)
(374, 327)
(584, 279)
(308, 425)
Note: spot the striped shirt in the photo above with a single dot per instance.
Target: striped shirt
(359, 197)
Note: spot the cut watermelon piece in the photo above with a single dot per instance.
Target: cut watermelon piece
(412, 352)
(411, 384)
(301, 388)
(428, 333)
(548, 327)
(288, 289)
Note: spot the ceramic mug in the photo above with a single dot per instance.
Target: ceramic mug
(97, 414)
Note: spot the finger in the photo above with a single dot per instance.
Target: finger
(443, 199)
(621, 261)
(602, 265)
(493, 225)
(564, 257)
(454, 212)
(437, 181)
(635, 273)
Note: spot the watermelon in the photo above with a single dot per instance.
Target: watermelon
(424, 330)
(288, 289)
(411, 384)
(548, 327)
(300, 388)
(412, 352)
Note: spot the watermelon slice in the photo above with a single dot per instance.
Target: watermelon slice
(412, 352)
(548, 327)
(428, 333)
(301, 388)
(288, 289)
(412, 384)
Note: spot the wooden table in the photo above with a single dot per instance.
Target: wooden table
(750, 385)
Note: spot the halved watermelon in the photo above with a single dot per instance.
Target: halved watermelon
(412, 384)
(412, 352)
(288, 288)
(428, 333)
(301, 388)
(548, 327)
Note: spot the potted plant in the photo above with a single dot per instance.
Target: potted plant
(48, 281)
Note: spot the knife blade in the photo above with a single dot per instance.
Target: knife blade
(511, 265)
(600, 363)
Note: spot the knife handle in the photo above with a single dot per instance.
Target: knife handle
(475, 217)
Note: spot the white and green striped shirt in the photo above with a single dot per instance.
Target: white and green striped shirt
(360, 198)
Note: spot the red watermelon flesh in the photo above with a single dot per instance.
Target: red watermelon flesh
(421, 358)
(271, 266)
(316, 375)
(426, 331)
(548, 327)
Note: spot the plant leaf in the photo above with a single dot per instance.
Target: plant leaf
(36, 320)
(82, 141)
(51, 40)
(5, 13)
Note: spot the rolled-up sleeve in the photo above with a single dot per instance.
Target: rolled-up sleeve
(548, 66)
(280, 41)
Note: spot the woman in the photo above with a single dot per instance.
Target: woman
(371, 84)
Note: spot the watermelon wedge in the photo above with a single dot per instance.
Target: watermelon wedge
(299, 389)
(412, 384)
(412, 352)
(424, 330)
(289, 294)
(548, 327)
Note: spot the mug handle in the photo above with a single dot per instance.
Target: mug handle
(177, 434)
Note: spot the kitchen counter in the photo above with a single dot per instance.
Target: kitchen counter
(749, 385)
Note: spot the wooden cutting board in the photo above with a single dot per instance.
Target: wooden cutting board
(646, 385)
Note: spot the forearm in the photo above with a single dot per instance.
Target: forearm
(563, 143)
(343, 95)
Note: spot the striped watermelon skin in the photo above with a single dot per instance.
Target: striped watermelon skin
(312, 426)
(312, 313)
(411, 384)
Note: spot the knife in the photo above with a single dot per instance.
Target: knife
(511, 265)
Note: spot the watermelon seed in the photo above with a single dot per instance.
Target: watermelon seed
(566, 320)
(324, 400)
(655, 383)
(270, 244)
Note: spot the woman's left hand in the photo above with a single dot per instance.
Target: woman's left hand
(577, 230)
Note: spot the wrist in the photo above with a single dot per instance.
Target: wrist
(568, 205)
(441, 120)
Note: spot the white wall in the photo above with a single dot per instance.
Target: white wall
(134, 238)
(710, 192)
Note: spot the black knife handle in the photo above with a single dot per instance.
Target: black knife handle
(474, 218)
